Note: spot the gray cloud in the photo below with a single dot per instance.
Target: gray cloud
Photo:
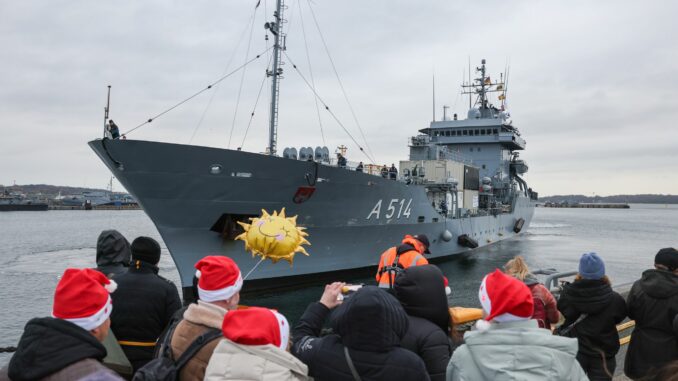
(591, 85)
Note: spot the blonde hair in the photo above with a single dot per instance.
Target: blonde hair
(517, 268)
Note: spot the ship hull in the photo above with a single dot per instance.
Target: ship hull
(23, 207)
(351, 217)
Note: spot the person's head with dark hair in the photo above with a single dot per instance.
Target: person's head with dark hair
(667, 259)
(146, 249)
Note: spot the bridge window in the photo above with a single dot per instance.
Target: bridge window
(447, 133)
(482, 132)
(495, 131)
(465, 132)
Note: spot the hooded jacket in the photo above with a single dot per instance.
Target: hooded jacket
(421, 292)
(54, 349)
(543, 296)
(517, 350)
(143, 305)
(113, 253)
(233, 361)
(371, 324)
(653, 304)
(604, 308)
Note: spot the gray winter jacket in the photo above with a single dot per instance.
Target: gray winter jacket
(515, 351)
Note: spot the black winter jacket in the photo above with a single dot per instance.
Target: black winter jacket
(421, 291)
(653, 304)
(370, 324)
(49, 345)
(605, 309)
(113, 253)
(143, 305)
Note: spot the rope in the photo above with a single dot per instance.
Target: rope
(341, 85)
(214, 93)
(196, 94)
(256, 102)
(8, 350)
(328, 109)
(242, 80)
(253, 268)
(310, 71)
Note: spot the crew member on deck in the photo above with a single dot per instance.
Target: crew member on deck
(113, 129)
(341, 161)
(393, 172)
(409, 253)
(384, 171)
(359, 168)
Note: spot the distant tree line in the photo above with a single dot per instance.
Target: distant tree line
(622, 198)
(45, 189)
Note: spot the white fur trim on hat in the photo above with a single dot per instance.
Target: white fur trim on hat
(484, 298)
(198, 274)
(284, 330)
(90, 322)
(221, 294)
(111, 286)
(483, 325)
(507, 317)
(448, 290)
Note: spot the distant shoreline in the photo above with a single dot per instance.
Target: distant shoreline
(617, 199)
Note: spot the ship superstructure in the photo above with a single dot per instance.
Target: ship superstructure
(460, 186)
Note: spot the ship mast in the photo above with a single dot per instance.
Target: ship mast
(276, 28)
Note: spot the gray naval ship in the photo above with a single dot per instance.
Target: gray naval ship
(461, 186)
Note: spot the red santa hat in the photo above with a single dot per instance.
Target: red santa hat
(256, 326)
(448, 290)
(82, 297)
(504, 299)
(219, 278)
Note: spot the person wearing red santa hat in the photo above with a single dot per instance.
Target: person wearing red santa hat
(507, 344)
(219, 284)
(255, 349)
(67, 346)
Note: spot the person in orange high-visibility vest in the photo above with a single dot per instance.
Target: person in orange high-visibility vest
(409, 253)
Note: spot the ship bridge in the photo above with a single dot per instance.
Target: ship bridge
(486, 137)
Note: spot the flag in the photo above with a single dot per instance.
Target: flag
(500, 87)
(502, 97)
(488, 81)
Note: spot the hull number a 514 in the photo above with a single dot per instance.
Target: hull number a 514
(396, 208)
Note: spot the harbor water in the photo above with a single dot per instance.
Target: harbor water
(35, 248)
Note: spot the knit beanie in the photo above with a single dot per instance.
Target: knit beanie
(256, 326)
(668, 257)
(504, 299)
(82, 298)
(219, 278)
(146, 249)
(591, 266)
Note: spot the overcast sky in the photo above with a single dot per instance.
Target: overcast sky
(592, 85)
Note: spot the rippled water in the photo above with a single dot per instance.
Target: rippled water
(35, 248)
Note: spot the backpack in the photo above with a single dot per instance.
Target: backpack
(164, 368)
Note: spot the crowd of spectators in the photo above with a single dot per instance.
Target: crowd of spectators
(403, 332)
